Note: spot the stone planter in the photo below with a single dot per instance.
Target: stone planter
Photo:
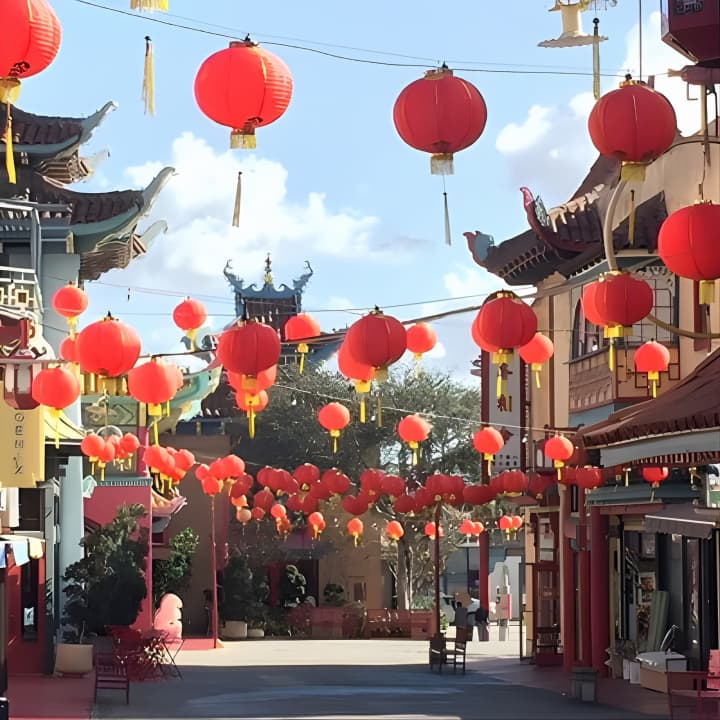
(255, 633)
(235, 630)
(73, 659)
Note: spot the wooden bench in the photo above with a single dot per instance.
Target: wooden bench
(449, 651)
(111, 674)
(690, 698)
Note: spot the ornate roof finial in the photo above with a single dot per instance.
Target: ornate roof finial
(268, 271)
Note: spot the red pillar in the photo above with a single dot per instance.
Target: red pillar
(567, 585)
(484, 571)
(584, 584)
(600, 603)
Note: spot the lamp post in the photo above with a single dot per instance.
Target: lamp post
(213, 570)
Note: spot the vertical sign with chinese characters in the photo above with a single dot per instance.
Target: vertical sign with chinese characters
(22, 446)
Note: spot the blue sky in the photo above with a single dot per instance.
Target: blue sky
(331, 182)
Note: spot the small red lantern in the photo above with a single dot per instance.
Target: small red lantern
(559, 449)
(617, 301)
(316, 523)
(489, 442)
(505, 523)
(393, 486)
(467, 527)
(377, 340)
(253, 385)
(514, 482)
(362, 375)
(371, 483)
(334, 417)
(107, 348)
(516, 522)
(440, 114)
(414, 429)
(249, 348)
(67, 350)
(394, 530)
(243, 87)
(421, 338)
(404, 504)
(652, 358)
(189, 316)
(478, 494)
(355, 504)
(251, 405)
(243, 515)
(655, 475)
(355, 529)
(70, 302)
(688, 244)
(588, 478)
(429, 530)
(633, 124)
(306, 475)
(29, 41)
(55, 388)
(538, 351)
(301, 327)
(153, 383)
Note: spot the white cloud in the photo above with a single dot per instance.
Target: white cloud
(198, 204)
(517, 138)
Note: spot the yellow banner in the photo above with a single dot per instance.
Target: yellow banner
(22, 446)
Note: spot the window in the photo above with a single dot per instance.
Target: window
(29, 599)
(587, 338)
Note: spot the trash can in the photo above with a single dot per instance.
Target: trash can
(583, 684)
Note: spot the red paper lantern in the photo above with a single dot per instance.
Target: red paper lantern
(429, 530)
(633, 124)
(514, 482)
(55, 388)
(404, 504)
(306, 475)
(334, 417)
(361, 375)
(243, 87)
(301, 327)
(243, 515)
(108, 348)
(589, 304)
(421, 338)
(257, 514)
(652, 358)
(688, 245)
(506, 322)
(505, 523)
(189, 315)
(355, 504)
(335, 481)
(394, 530)
(479, 340)
(253, 385)
(68, 349)
(316, 523)
(440, 114)
(655, 475)
(414, 429)
(489, 442)
(538, 351)
(251, 405)
(278, 511)
(393, 486)
(249, 348)
(588, 478)
(515, 522)
(376, 340)
(559, 449)
(29, 41)
(70, 301)
(478, 494)
(91, 446)
(355, 529)
(153, 383)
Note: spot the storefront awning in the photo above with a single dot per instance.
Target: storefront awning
(687, 520)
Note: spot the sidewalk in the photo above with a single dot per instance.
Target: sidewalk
(36, 697)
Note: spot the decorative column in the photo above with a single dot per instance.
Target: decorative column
(599, 586)
(584, 584)
(567, 584)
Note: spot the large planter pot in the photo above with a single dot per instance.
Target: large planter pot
(73, 659)
(235, 630)
(255, 633)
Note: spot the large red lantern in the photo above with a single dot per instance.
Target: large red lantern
(377, 340)
(29, 41)
(361, 375)
(538, 351)
(633, 124)
(70, 301)
(688, 245)
(55, 388)
(301, 327)
(249, 348)
(489, 442)
(334, 417)
(243, 87)
(440, 114)
(588, 478)
(652, 358)
(421, 338)
(189, 316)
(153, 383)
(559, 449)
(414, 429)
(108, 348)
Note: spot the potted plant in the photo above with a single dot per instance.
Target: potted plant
(105, 588)
(257, 612)
(334, 595)
(238, 597)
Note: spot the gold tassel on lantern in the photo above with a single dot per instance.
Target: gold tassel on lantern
(653, 378)
(303, 349)
(148, 86)
(9, 92)
(362, 387)
(149, 5)
(251, 423)
(706, 292)
(334, 434)
(414, 447)
(631, 220)
(238, 198)
(448, 236)
(378, 412)
(536, 368)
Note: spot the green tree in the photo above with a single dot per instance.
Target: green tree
(173, 575)
(288, 435)
(107, 586)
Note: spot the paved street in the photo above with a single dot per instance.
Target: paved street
(345, 680)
